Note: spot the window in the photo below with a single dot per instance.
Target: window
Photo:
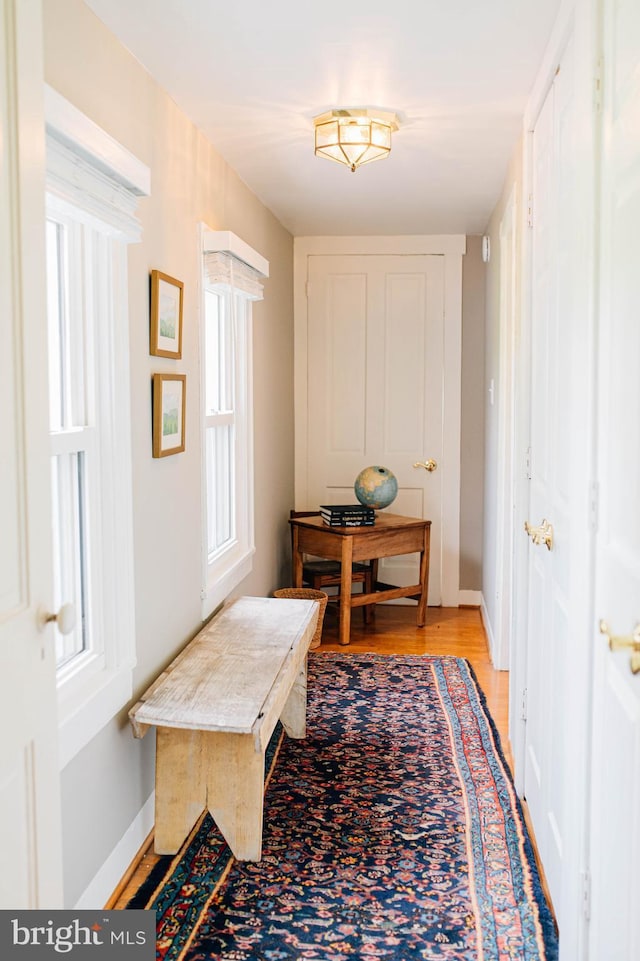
(92, 189)
(72, 437)
(222, 418)
(232, 273)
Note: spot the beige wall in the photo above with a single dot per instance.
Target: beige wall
(472, 417)
(107, 784)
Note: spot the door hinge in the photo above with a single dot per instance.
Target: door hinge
(597, 86)
(530, 211)
(527, 463)
(586, 895)
(523, 705)
(594, 504)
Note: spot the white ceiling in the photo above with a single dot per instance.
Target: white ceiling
(252, 74)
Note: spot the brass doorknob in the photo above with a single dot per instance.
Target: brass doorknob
(429, 465)
(65, 618)
(622, 642)
(542, 534)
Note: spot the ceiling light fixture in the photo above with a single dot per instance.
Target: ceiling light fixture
(354, 136)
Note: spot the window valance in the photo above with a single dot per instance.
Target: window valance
(231, 263)
(223, 269)
(92, 172)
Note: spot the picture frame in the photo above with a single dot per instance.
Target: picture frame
(166, 316)
(169, 409)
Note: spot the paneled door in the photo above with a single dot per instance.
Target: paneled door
(557, 675)
(615, 825)
(375, 388)
(30, 832)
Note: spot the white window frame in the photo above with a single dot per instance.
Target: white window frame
(93, 180)
(80, 382)
(232, 270)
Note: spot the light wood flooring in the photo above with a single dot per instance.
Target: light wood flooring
(455, 631)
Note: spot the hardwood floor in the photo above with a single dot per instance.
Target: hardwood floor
(455, 631)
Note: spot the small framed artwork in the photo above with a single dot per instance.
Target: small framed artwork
(168, 413)
(166, 315)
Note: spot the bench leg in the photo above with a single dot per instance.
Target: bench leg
(180, 787)
(294, 712)
(235, 790)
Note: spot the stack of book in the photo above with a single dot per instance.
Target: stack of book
(347, 515)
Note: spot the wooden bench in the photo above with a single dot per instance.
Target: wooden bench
(215, 708)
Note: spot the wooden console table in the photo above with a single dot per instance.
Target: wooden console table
(215, 708)
(390, 536)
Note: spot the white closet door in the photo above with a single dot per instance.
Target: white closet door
(30, 832)
(376, 385)
(615, 830)
(557, 676)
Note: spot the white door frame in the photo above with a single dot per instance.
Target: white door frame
(506, 434)
(451, 247)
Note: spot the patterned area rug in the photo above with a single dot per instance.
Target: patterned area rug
(392, 833)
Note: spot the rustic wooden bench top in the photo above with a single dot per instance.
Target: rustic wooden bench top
(215, 708)
(222, 679)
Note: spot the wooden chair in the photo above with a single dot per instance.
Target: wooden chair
(319, 574)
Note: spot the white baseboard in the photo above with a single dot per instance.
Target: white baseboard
(113, 869)
(470, 598)
(493, 651)
(487, 626)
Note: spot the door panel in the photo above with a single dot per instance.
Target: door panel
(556, 746)
(346, 361)
(538, 733)
(376, 375)
(405, 359)
(615, 827)
(17, 802)
(30, 834)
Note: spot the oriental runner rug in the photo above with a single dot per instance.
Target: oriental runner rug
(391, 833)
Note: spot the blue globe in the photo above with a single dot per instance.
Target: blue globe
(376, 487)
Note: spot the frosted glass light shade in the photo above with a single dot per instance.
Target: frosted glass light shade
(355, 136)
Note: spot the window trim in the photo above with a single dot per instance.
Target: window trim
(231, 564)
(95, 180)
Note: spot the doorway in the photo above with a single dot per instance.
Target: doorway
(377, 380)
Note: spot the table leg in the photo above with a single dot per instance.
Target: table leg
(370, 609)
(424, 578)
(296, 558)
(346, 561)
(181, 792)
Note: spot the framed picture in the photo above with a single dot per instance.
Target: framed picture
(166, 315)
(168, 413)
